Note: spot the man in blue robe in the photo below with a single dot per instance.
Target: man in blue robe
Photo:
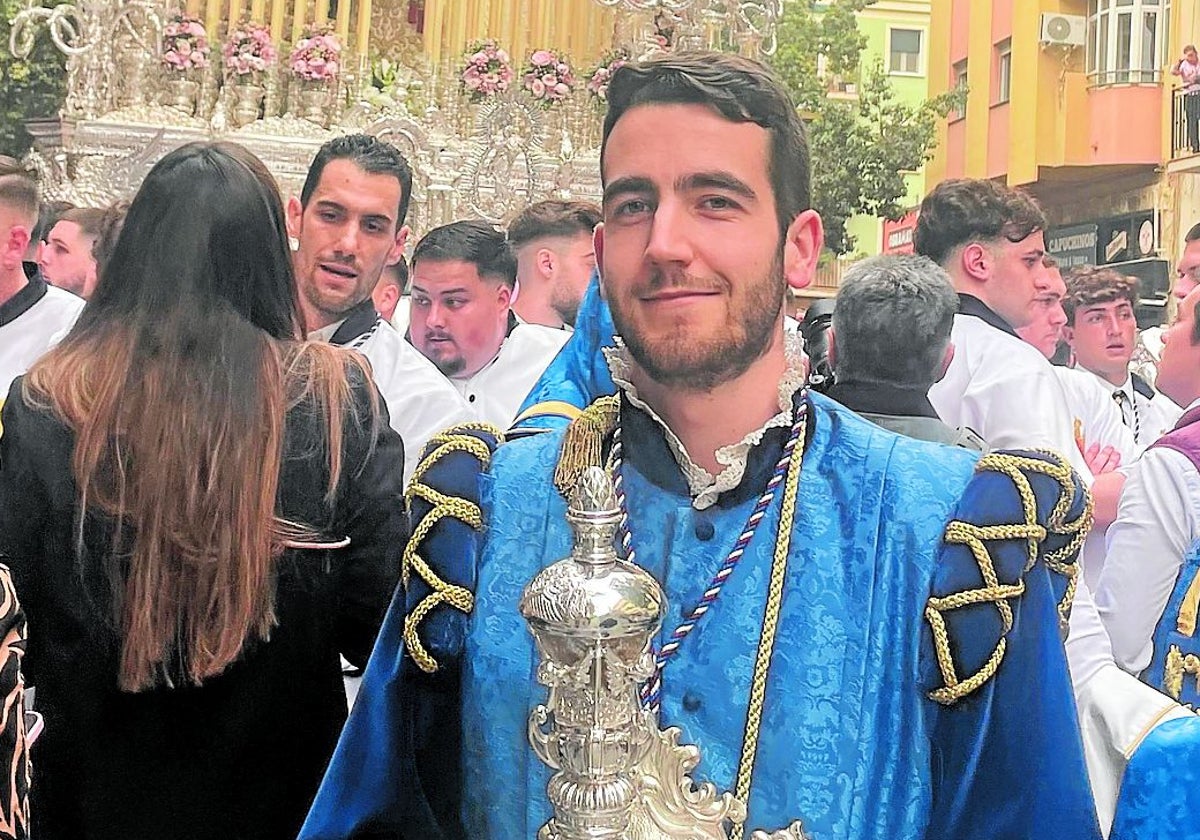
(838, 653)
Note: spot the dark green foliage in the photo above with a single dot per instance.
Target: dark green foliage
(861, 149)
(29, 88)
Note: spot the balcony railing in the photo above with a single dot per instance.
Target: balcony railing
(1127, 76)
(1185, 123)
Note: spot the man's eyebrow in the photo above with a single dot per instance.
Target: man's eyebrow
(628, 184)
(716, 181)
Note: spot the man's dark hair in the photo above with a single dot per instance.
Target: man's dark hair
(111, 224)
(19, 189)
(965, 210)
(553, 218)
(397, 275)
(48, 215)
(740, 90)
(371, 155)
(476, 242)
(89, 220)
(1088, 285)
(1193, 234)
(892, 321)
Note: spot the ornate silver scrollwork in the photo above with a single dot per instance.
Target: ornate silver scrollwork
(618, 776)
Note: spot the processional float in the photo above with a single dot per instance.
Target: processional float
(399, 75)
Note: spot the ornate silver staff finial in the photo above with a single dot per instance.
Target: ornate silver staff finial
(592, 616)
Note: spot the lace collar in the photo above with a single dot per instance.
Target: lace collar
(703, 485)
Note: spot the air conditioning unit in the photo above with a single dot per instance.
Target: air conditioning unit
(1064, 30)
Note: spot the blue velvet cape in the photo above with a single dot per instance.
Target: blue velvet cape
(851, 742)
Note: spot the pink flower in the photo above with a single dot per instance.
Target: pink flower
(549, 79)
(537, 88)
(561, 89)
(563, 70)
(541, 58)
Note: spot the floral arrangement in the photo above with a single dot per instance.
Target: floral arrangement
(248, 49)
(488, 71)
(185, 44)
(598, 84)
(548, 77)
(316, 56)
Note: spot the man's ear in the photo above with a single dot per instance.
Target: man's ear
(977, 261)
(831, 345)
(598, 247)
(801, 248)
(544, 260)
(397, 250)
(1068, 335)
(14, 246)
(295, 215)
(504, 295)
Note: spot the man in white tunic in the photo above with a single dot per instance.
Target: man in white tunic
(1158, 519)
(463, 276)
(32, 314)
(349, 222)
(989, 238)
(1102, 332)
(1099, 431)
(555, 260)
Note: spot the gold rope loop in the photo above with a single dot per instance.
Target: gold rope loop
(976, 537)
(442, 506)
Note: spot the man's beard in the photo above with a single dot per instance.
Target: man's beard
(700, 363)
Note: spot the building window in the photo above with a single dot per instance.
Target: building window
(1126, 40)
(904, 51)
(1003, 71)
(960, 84)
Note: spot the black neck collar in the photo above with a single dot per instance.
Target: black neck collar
(971, 305)
(358, 320)
(20, 303)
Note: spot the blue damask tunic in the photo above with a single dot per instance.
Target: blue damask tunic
(851, 742)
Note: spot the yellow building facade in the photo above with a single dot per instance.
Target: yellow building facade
(1074, 101)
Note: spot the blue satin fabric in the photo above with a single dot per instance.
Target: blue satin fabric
(578, 374)
(1008, 758)
(1167, 635)
(850, 743)
(1160, 797)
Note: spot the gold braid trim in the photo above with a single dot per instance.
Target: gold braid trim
(1176, 666)
(458, 597)
(770, 625)
(583, 442)
(993, 591)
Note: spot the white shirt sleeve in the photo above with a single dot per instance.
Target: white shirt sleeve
(1012, 404)
(421, 401)
(1156, 524)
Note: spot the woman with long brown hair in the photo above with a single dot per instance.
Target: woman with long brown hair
(201, 512)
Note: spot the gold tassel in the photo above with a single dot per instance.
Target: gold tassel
(583, 443)
(1186, 621)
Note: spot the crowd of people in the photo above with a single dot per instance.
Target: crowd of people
(930, 557)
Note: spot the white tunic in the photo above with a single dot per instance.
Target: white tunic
(31, 322)
(1099, 417)
(420, 401)
(1152, 417)
(1158, 520)
(495, 392)
(1004, 390)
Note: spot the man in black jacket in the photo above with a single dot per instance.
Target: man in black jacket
(890, 341)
